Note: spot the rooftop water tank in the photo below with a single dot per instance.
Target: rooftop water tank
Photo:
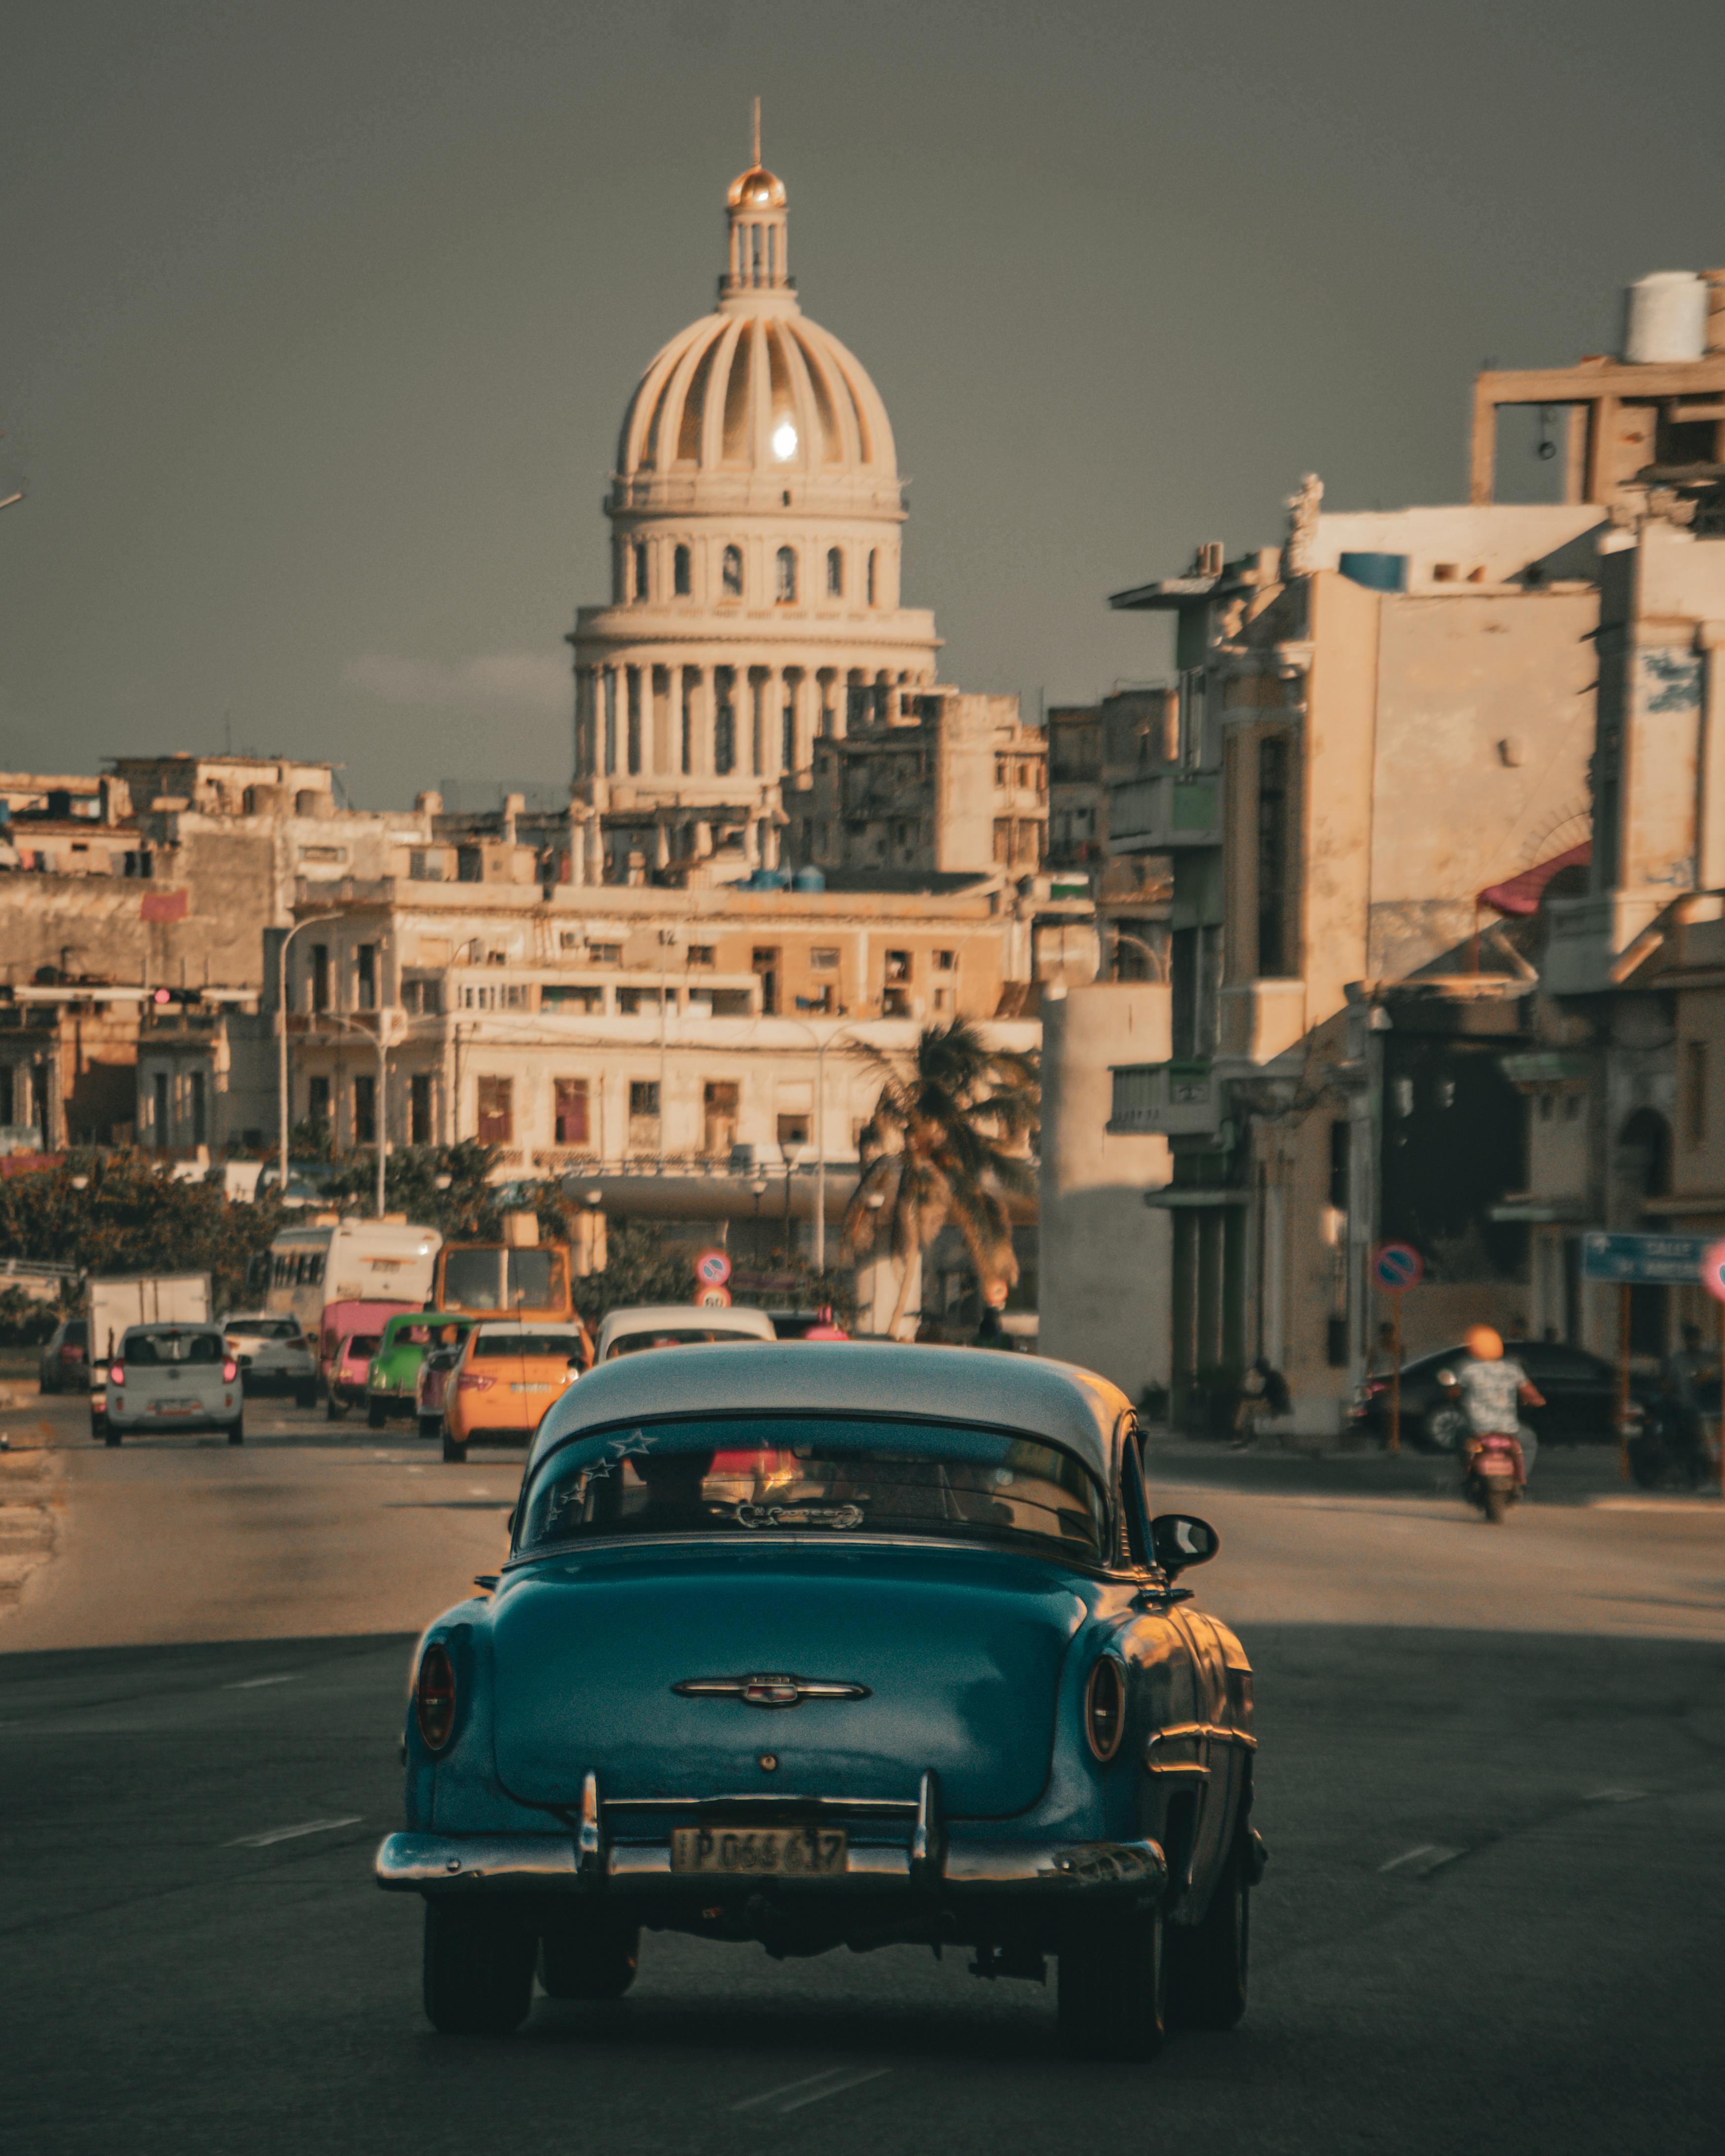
(1664, 317)
(809, 878)
(1378, 572)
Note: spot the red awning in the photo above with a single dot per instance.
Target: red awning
(1520, 895)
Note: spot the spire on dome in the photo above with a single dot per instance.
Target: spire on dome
(759, 257)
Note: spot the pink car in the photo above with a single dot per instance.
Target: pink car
(348, 1340)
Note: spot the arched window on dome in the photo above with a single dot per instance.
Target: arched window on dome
(679, 572)
(640, 552)
(873, 599)
(787, 574)
(835, 573)
(731, 571)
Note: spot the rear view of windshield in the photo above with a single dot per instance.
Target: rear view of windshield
(153, 1350)
(743, 1476)
(363, 1343)
(681, 1336)
(525, 1344)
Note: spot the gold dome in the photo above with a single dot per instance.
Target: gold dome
(755, 189)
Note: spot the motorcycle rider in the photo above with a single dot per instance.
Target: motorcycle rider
(1492, 1386)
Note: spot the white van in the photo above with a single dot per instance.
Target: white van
(349, 1260)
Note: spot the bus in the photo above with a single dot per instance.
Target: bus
(347, 1260)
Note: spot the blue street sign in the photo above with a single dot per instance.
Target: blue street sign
(1397, 1267)
(1644, 1261)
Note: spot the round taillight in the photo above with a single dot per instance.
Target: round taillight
(435, 1698)
(116, 1374)
(230, 1371)
(1105, 1708)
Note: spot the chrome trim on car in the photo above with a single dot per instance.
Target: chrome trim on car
(769, 1691)
(836, 1808)
(1178, 1731)
(928, 1854)
(426, 1863)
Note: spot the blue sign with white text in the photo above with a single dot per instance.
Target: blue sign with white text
(1644, 1261)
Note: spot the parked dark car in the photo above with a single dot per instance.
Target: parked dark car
(1580, 1393)
(65, 1357)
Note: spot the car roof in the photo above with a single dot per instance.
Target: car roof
(1068, 1406)
(175, 1325)
(668, 1316)
(563, 1326)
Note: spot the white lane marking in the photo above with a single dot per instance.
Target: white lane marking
(1653, 1504)
(252, 1684)
(1426, 1858)
(813, 2089)
(472, 1492)
(276, 1834)
(1614, 1796)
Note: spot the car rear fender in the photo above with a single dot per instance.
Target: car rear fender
(457, 1790)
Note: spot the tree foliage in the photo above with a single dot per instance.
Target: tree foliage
(945, 1145)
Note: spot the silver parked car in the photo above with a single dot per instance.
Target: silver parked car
(273, 1354)
(168, 1377)
(64, 1360)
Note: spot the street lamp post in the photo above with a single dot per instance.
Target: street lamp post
(310, 921)
(821, 1136)
(380, 1105)
(1158, 961)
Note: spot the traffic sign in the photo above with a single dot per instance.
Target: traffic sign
(1396, 1267)
(712, 1269)
(1646, 1260)
(713, 1298)
(1713, 1271)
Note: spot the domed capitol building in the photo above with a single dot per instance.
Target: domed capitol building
(757, 514)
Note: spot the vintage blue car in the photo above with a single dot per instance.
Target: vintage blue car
(824, 1645)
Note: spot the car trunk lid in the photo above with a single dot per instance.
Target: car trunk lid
(959, 1651)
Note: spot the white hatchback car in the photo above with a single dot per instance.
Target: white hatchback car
(169, 1377)
(676, 1325)
(272, 1351)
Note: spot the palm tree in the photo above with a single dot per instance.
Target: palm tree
(946, 1142)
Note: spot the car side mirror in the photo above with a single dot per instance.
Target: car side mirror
(1448, 1380)
(1177, 1540)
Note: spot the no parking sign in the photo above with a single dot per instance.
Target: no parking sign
(712, 1269)
(1713, 1271)
(1397, 1267)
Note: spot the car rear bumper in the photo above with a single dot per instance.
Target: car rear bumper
(468, 1864)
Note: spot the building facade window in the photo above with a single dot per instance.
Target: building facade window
(643, 1114)
(320, 976)
(365, 977)
(724, 721)
(200, 1113)
(1695, 1091)
(569, 1117)
(718, 1117)
(764, 962)
(871, 580)
(731, 571)
(792, 1132)
(835, 573)
(634, 720)
(496, 1112)
(317, 1103)
(1276, 956)
(640, 562)
(162, 1132)
(365, 1111)
(419, 1108)
(680, 579)
(785, 575)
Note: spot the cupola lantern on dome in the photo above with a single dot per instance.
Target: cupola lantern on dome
(759, 254)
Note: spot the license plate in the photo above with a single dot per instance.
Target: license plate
(799, 1852)
(175, 1407)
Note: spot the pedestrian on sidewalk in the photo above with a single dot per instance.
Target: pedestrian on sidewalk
(1263, 1393)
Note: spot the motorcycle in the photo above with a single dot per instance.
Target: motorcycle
(1490, 1479)
(1665, 1446)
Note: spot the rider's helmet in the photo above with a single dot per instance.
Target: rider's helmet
(1482, 1344)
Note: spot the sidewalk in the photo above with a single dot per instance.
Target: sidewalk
(1561, 1474)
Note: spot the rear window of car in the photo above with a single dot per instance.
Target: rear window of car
(677, 1335)
(156, 1350)
(363, 1343)
(263, 1329)
(739, 1476)
(410, 1336)
(77, 1332)
(525, 1344)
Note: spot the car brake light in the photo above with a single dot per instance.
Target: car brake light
(435, 1698)
(116, 1375)
(468, 1383)
(1105, 1708)
(230, 1371)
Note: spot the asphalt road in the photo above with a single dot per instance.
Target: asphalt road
(1492, 1778)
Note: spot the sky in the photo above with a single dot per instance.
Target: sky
(318, 321)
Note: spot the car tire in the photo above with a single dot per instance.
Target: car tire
(374, 1414)
(236, 1430)
(452, 1451)
(479, 1970)
(1497, 1503)
(1207, 1962)
(305, 1396)
(429, 1425)
(592, 1956)
(334, 1408)
(1112, 1988)
(105, 1430)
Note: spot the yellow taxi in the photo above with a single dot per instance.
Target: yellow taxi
(510, 1372)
